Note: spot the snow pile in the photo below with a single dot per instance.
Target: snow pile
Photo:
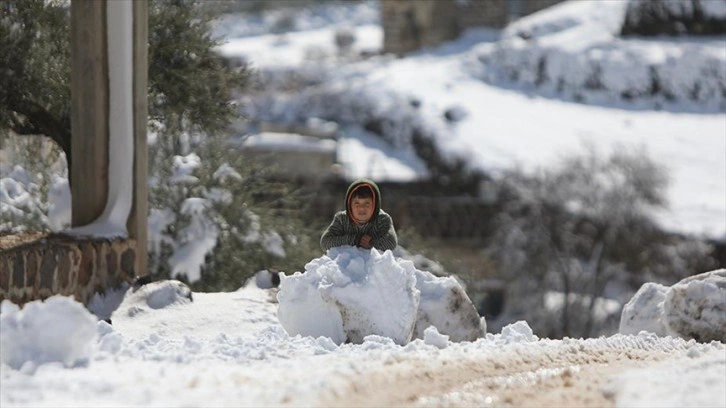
(155, 295)
(694, 308)
(352, 293)
(56, 330)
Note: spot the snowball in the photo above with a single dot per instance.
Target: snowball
(695, 308)
(349, 294)
(645, 311)
(352, 293)
(58, 329)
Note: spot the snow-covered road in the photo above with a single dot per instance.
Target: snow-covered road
(574, 375)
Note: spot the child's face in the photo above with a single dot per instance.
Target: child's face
(362, 209)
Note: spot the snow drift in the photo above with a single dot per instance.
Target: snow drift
(56, 330)
(352, 293)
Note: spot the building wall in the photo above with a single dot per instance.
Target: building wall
(409, 25)
(412, 25)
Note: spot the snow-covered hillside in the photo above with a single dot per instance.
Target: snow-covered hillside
(504, 116)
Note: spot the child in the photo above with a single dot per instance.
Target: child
(363, 223)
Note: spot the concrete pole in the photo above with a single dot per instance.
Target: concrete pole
(90, 112)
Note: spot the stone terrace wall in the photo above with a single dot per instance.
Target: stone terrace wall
(37, 266)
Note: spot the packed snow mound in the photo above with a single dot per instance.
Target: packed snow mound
(694, 308)
(58, 329)
(154, 295)
(644, 312)
(351, 293)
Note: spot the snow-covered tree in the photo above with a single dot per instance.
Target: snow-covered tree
(579, 237)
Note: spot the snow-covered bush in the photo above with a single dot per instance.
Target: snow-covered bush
(32, 193)
(206, 224)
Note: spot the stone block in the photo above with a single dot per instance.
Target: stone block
(18, 270)
(31, 269)
(5, 274)
(47, 269)
(64, 271)
(87, 264)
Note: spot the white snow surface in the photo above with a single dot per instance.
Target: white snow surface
(170, 347)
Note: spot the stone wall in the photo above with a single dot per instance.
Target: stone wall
(37, 266)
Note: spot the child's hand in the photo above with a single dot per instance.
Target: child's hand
(366, 241)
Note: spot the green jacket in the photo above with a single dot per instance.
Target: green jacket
(344, 231)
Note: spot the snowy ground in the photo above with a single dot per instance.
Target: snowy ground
(228, 349)
(170, 347)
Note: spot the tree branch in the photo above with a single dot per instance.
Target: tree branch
(38, 121)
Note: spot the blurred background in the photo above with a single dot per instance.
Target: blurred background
(552, 156)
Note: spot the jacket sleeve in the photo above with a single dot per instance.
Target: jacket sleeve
(335, 235)
(385, 233)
